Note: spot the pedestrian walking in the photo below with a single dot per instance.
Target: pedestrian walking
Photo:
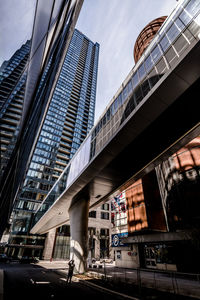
(70, 271)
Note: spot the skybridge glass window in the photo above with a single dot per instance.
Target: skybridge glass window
(156, 54)
(185, 18)
(164, 42)
(116, 105)
(130, 88)
(135, 80)
(148, 63)
(193, 7)
(173, 32)
(141, 71)
(100, 124)
(112, 109)
(108, 114)
(125, 93)
(120, 99)
(104, 119)
(180, 24)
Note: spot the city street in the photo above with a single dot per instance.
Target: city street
(35, 282)
(47, 280)
(100, 150)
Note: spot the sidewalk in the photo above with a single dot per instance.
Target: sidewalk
(170, 282)
(55, 264)
(175, 283)
(61, 268)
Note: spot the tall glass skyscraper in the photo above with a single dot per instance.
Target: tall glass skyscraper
(12, 89)
(51, 32)
(67, 120)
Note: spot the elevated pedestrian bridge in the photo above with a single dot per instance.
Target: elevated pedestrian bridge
(153, 114)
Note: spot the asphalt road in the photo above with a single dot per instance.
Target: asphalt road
(34, 282)
(47, 280)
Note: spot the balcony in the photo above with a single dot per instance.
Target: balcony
(64, 150)
(10, 121)
(63, 156)
(12, 115)
(66, 145)
(6, 134)
(16, 106)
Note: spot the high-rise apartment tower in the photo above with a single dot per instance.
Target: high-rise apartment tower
(12, 89)
(67, 120)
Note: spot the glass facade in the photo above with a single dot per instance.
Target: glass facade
(52, 29)
(179, 33)
(176, 35)
(62, 243)
(68, 119)
(12, 89)
(179, 182)
(165, 200)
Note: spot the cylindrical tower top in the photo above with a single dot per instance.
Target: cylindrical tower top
(146, 35)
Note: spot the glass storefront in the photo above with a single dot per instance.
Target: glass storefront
(62, 243)
(158, 256)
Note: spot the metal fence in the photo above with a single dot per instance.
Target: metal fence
(183, 284)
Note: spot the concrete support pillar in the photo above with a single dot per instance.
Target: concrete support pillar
(49, 244)
(78, 214)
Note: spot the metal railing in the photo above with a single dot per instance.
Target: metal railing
(176, 283)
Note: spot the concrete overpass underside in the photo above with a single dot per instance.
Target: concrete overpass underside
(165, 120)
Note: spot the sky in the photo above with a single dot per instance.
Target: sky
(16, 24)
(114, 24)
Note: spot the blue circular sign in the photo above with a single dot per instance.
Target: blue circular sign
(115, 240)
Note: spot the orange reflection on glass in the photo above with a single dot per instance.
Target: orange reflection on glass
(136, 210)
(189, 156)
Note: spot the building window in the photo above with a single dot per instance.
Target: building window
(20, 204)
(104, 231)
(105, 215)
(91, 231)
(118, 254)
(63, 230)
(105, 206)
(92, 214)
